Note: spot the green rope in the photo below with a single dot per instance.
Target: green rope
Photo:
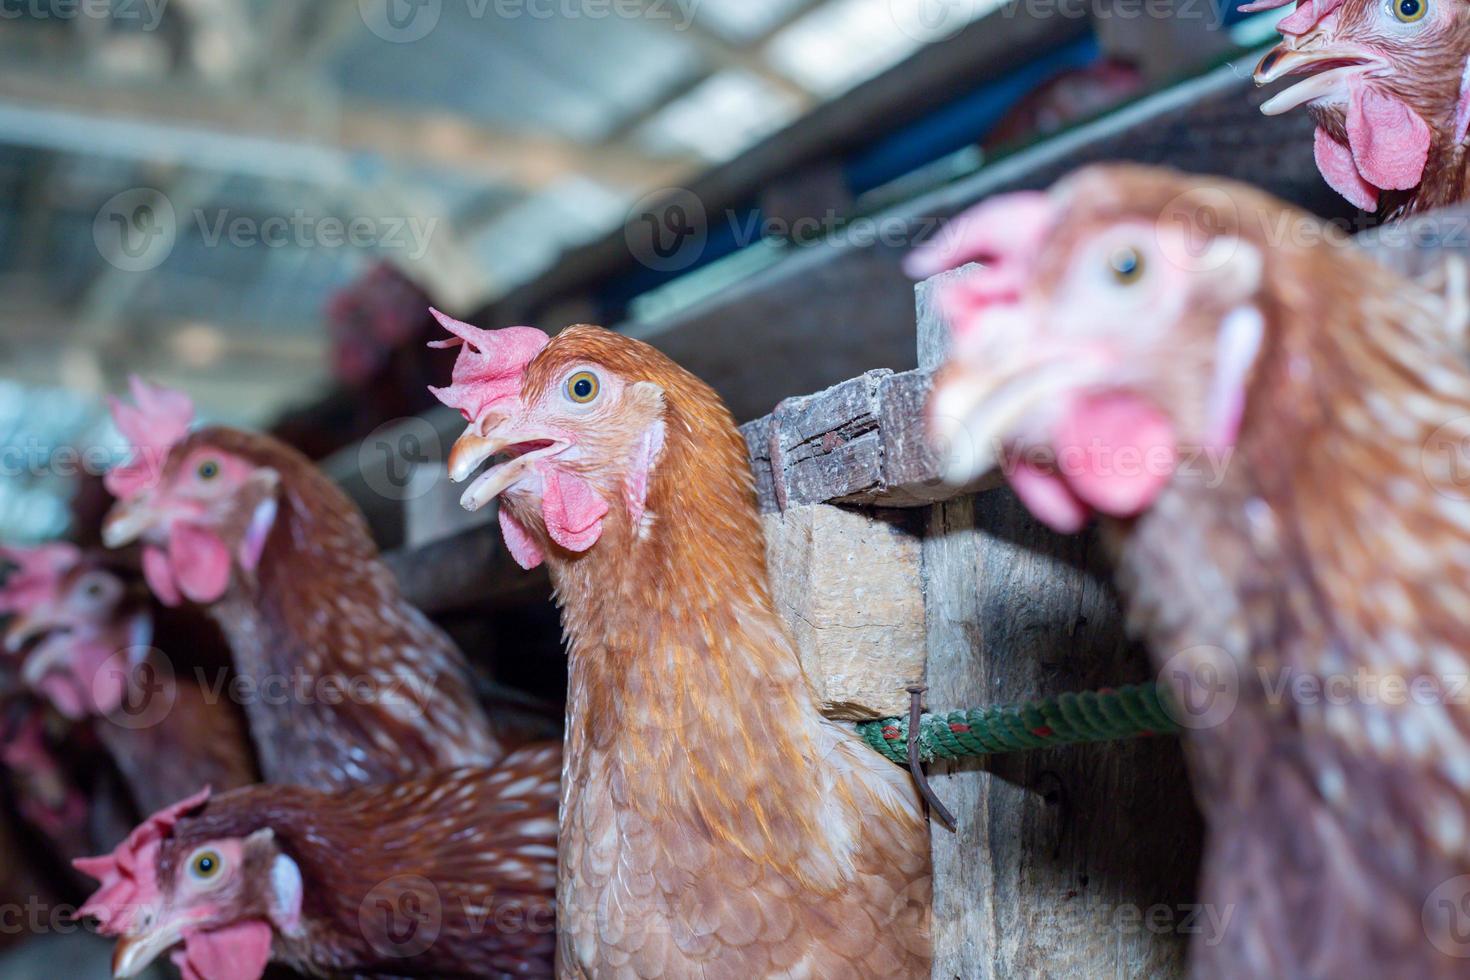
(1067, 719)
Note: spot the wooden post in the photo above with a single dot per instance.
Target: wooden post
(1077, 861)
(847, 583)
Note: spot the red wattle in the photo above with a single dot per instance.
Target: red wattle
(200, 561)
(572, 509)
(237, 952)
(1116, 451)
(160, 576)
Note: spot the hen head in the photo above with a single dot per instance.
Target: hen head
(1105, 334)
(183, 877)
(70, 617)
(582, 421)
(1387, 85)
(199, 502)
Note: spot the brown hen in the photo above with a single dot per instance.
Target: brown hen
(451, 875)
(84, 636)
(344, 682)
(1272, 428)
(714, 823)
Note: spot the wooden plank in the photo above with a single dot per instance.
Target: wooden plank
(829, 312)
(986, 50)
(848, 585)
(1061, 855)
(858, 442)
(470, 570)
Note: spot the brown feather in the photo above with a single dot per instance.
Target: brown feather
(324, 608)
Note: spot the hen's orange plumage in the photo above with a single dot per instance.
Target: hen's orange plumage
(714, 824)
(1189, 316)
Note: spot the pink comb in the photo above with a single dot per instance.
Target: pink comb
(128, 876)
(1006, 234)
(160, 418)
(1307, 13)
(490, 366)
(37, 575)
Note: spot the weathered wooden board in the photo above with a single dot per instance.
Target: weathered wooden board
(848, 585)
(859, 442)
(1062, 855)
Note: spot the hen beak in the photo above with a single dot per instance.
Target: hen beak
(1288, 59)
(134, 954)
(25, 627)
(472, 449)
(128, 521)
(974, 414)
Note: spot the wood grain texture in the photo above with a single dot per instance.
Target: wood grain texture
(848, 585)
(859, 442)
(1077, 861)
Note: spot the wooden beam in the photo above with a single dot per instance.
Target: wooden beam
(985, 50)
(273, 137)
(828, 312)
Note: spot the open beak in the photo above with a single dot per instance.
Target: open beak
(1328, 69)
(128, 521)
(975, 414)
(472, 449)
(134, 954)
(27, 627)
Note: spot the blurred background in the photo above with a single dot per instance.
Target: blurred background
(190, 189)
(257, 200)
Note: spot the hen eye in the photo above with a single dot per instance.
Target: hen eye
(205, 865)
(1409, 11)
(1126, 266)
(208, 470)
(582, 387)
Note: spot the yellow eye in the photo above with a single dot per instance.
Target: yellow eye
(205, 865)
(1126, 266)
(1410, 11)
(582, 387)
(208, 470)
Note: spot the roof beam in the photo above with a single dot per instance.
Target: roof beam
(273, 139)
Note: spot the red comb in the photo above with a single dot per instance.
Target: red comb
(1307, 13)
(128, 875)
(490, 366)
(159, 418)
(1005, 233)
(37, 574)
